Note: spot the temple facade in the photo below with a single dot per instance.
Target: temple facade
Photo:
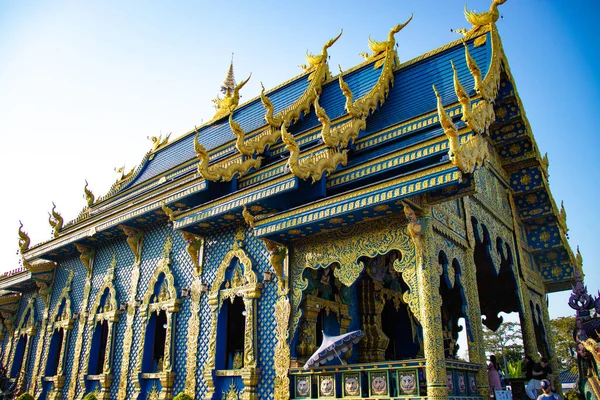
(407, 200)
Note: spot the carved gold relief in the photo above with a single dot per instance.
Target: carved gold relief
(168, 211)
(195, 249)
(217, 173)
(465, 156)
(86, 255)
(23, 239)
(481, 115)
(313, 166)
(135, 239)
(192, 342)
(258, 144)
(345, 247)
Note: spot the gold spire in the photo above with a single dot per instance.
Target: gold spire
(229, 82)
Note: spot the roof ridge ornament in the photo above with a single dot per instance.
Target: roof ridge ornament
(319, 73)
(315, 165)
(24, 239)
(259, 143)
(55, 220)
(158, 142)
(465, 156)
(229, 103)
(88, 195)
(480, 22)
(216, 173)
(384, 46)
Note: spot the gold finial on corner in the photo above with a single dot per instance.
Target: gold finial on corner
(24, 239)
(88, 195)
(579, 258)
(55, 220)
(231, 92)
(563, 216)
(480, 21)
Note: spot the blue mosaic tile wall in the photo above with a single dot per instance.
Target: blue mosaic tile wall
(217, 244)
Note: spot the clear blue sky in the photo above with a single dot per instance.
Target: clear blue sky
(82, 84)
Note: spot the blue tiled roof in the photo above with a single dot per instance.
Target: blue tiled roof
(411, 96)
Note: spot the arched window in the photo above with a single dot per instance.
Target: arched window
(102, 321)
(26, 330)
(60, 326)
(232, 300)
(158, 310)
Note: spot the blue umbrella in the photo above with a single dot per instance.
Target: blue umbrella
(333, 346)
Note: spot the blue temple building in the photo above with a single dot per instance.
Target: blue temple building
(394, 198)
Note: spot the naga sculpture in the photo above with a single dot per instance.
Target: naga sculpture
(259, 143)
(134, 240)
(158, 142)
(55, 220)
(88, 195)
(319, 69)
(478, 117)
(384, 46)
(562, 221)
(480, 21)
(223, 174)
(315, 165)
(465, 156)
(86, 255)
(340, 134)
(23, 239)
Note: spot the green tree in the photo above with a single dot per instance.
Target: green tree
(506, 343)
(564, 345)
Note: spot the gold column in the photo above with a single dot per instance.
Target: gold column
(428, 273)
(38, 354)
(473, 307)
(135, 277)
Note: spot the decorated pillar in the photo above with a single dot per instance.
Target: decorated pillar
(475, 328)
(86, 255)
(195, 249)
(135, 239)
(279, 260)
(428, 274)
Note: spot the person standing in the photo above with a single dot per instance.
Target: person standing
(547, 391)
(528, 363)
(493, 376)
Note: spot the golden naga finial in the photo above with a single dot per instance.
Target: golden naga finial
(249, 218)
(122, 175)
(468, 155)
(545, 164)
(256, 145)
(55, 221)
(168, 211)
(481, 115)
(314, 60)
(224, 174)
(563, 217)
(23, 239)
(315, 166)
(379, 47)
(341, 134)
(274, 121)
(480, 21)
(158, 142)
(227, 104)
(579, 258)
(88, 195)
